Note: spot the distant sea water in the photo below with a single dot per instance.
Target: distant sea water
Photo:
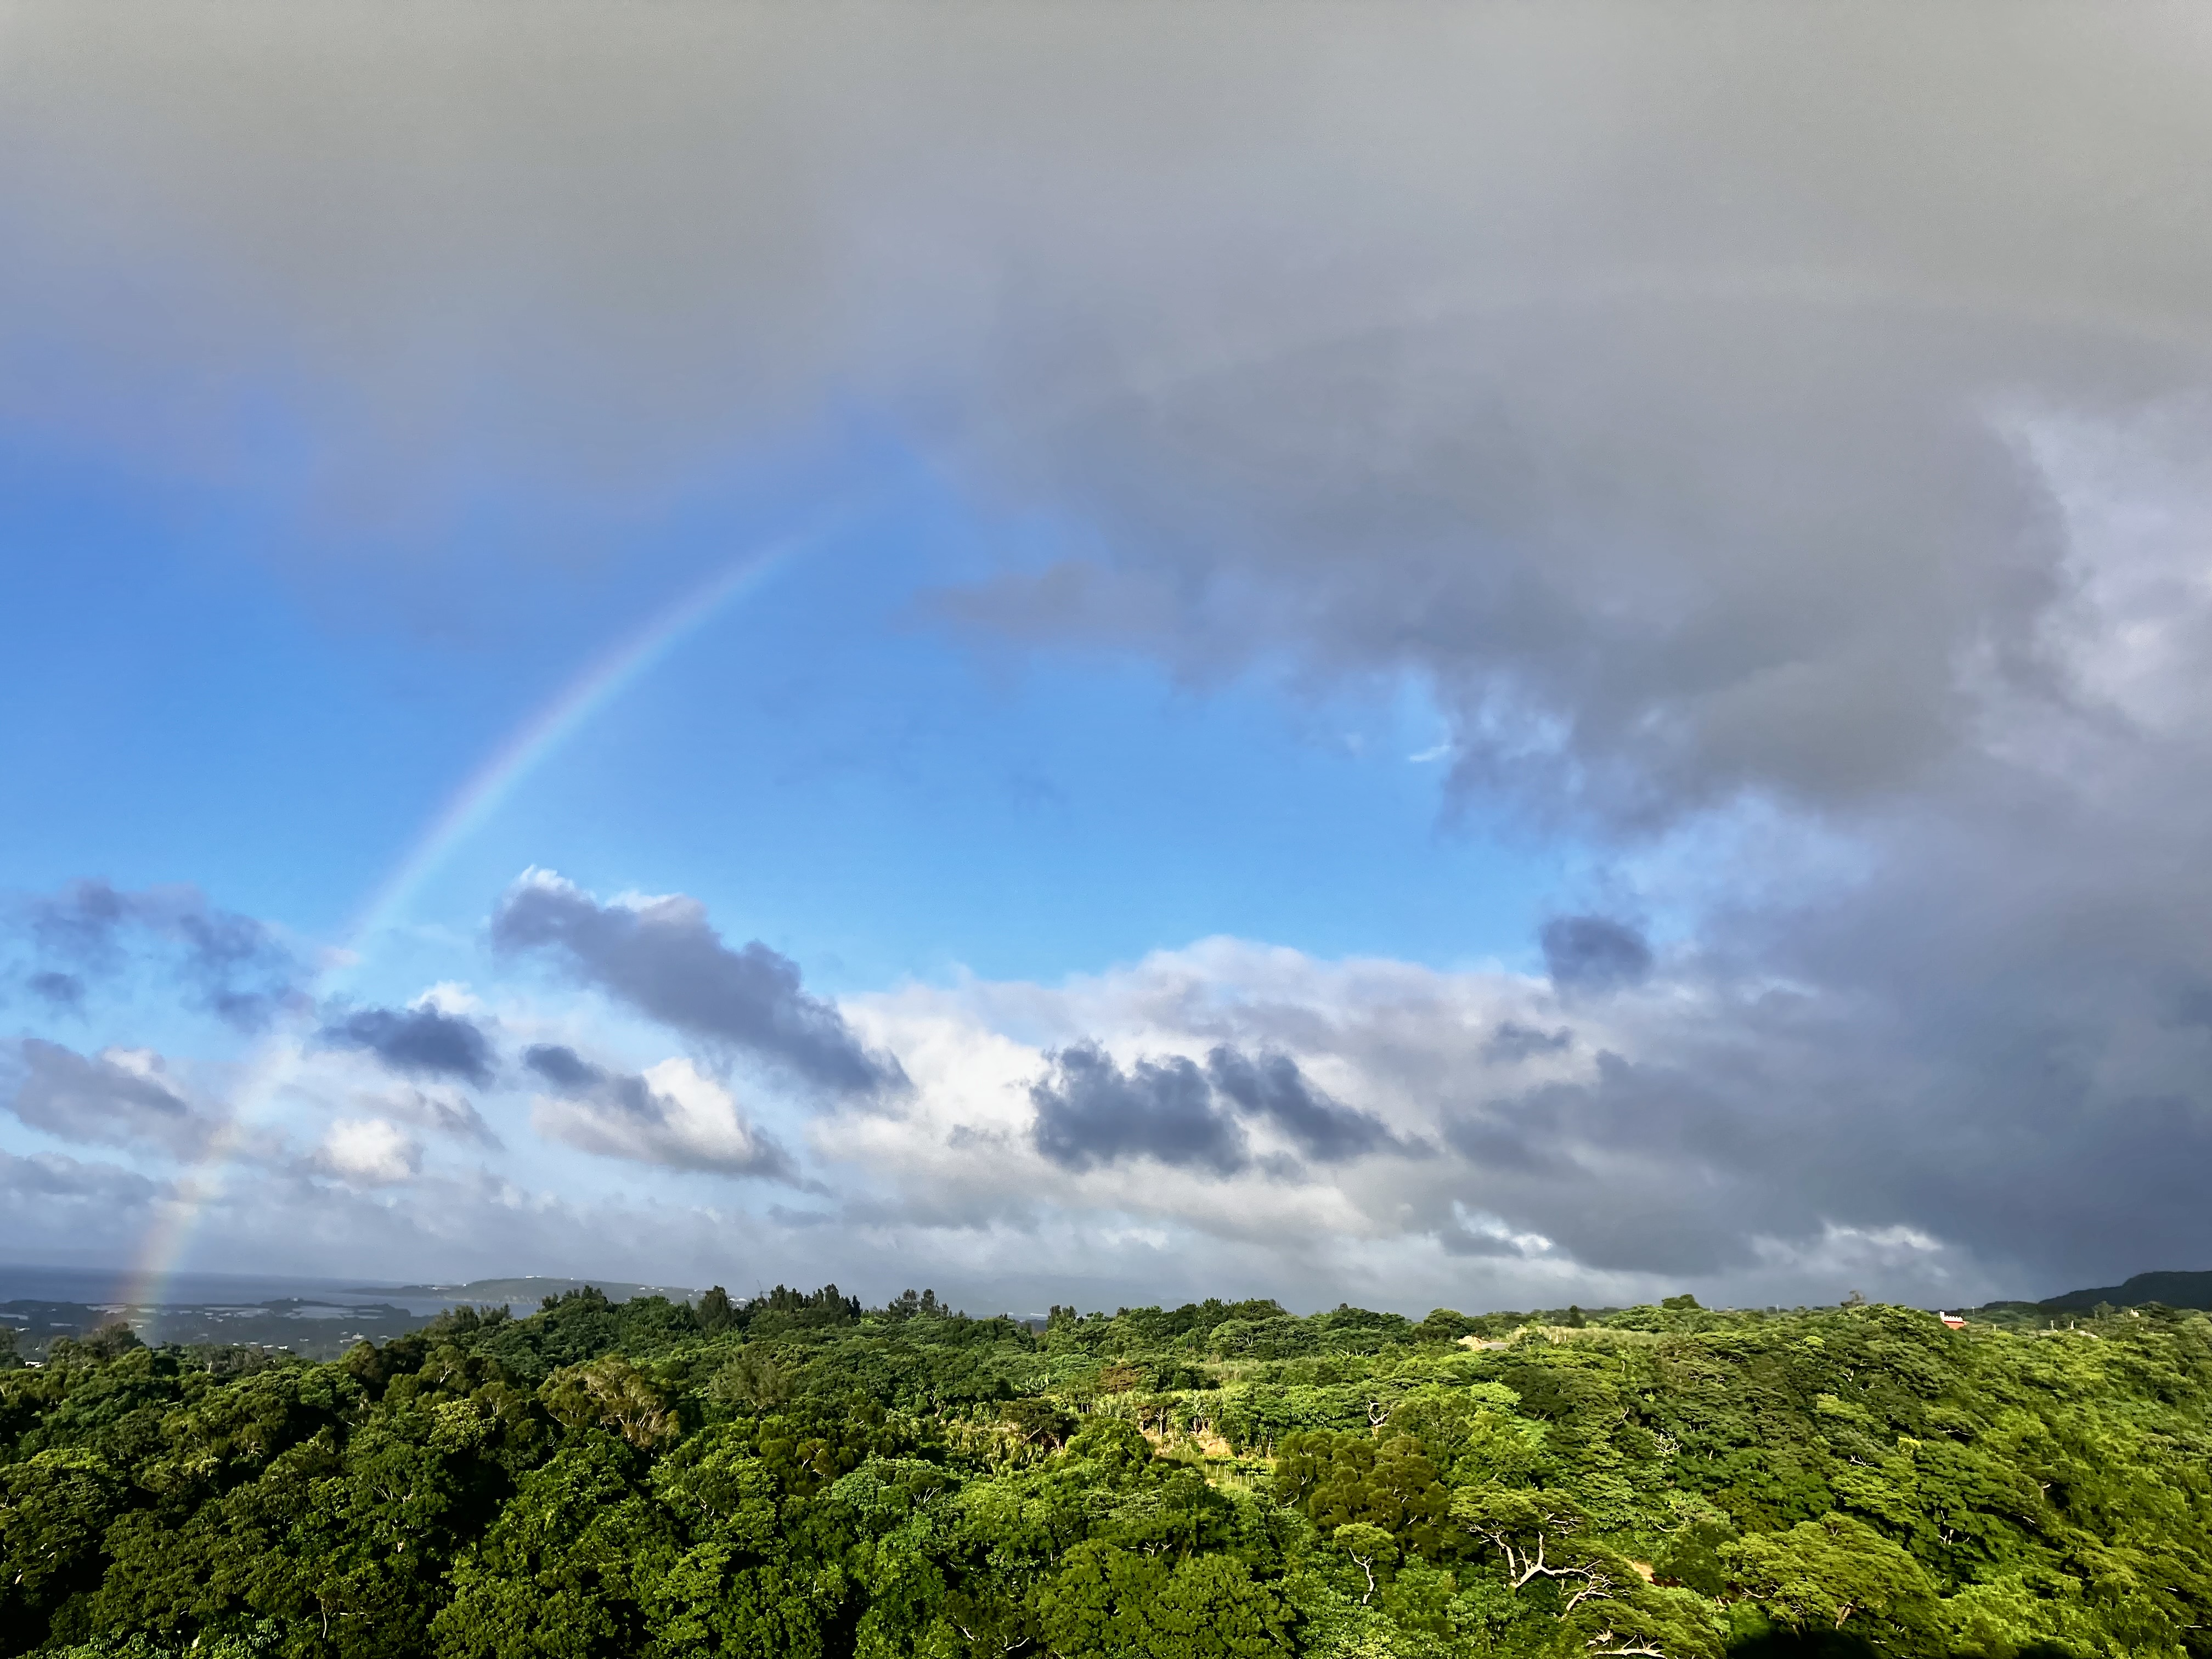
(107, 1286)
(316, 1317)
(97, 1286)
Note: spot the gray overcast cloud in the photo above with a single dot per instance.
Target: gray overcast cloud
(122, 1098)
(1779, 438)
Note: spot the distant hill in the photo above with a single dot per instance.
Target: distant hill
(2174, 1289)
(531, 1289)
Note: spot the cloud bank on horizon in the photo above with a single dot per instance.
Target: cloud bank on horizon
(1770, 446)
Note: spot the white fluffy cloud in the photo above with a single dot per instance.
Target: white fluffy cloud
(1525, 1151)
(1718, 1129)
(369, 1151)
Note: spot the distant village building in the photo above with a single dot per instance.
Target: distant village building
(1956, 1322)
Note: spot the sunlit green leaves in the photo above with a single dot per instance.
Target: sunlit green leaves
(807, 1479)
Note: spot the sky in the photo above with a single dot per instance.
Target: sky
(1427, 655)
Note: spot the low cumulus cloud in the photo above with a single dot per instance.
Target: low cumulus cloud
(1712, 1130)
(1089, 1111)
(119, 1096)
(370, 1151)
(423, 1040)
(672, 1114)
(1171, 1110)
(662, 957)
(231, 965)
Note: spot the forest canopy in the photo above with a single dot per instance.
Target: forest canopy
(795, 1474)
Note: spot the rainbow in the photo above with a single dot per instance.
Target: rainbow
(606, 680)
(276, 1059)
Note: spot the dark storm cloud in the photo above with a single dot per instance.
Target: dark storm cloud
(1593, 953)
(1765, 1136)
(423, 1041)
(622, 1115)
(570, 1073)
(1631, 1172)
(113, 1099)
(232, 965)
(1089, 1111)
(1521, 1141)
(663, 958)
(1271, 1086)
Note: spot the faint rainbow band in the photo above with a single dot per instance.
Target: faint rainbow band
(276, 1058)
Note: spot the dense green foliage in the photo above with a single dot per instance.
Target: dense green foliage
(798, 1476)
